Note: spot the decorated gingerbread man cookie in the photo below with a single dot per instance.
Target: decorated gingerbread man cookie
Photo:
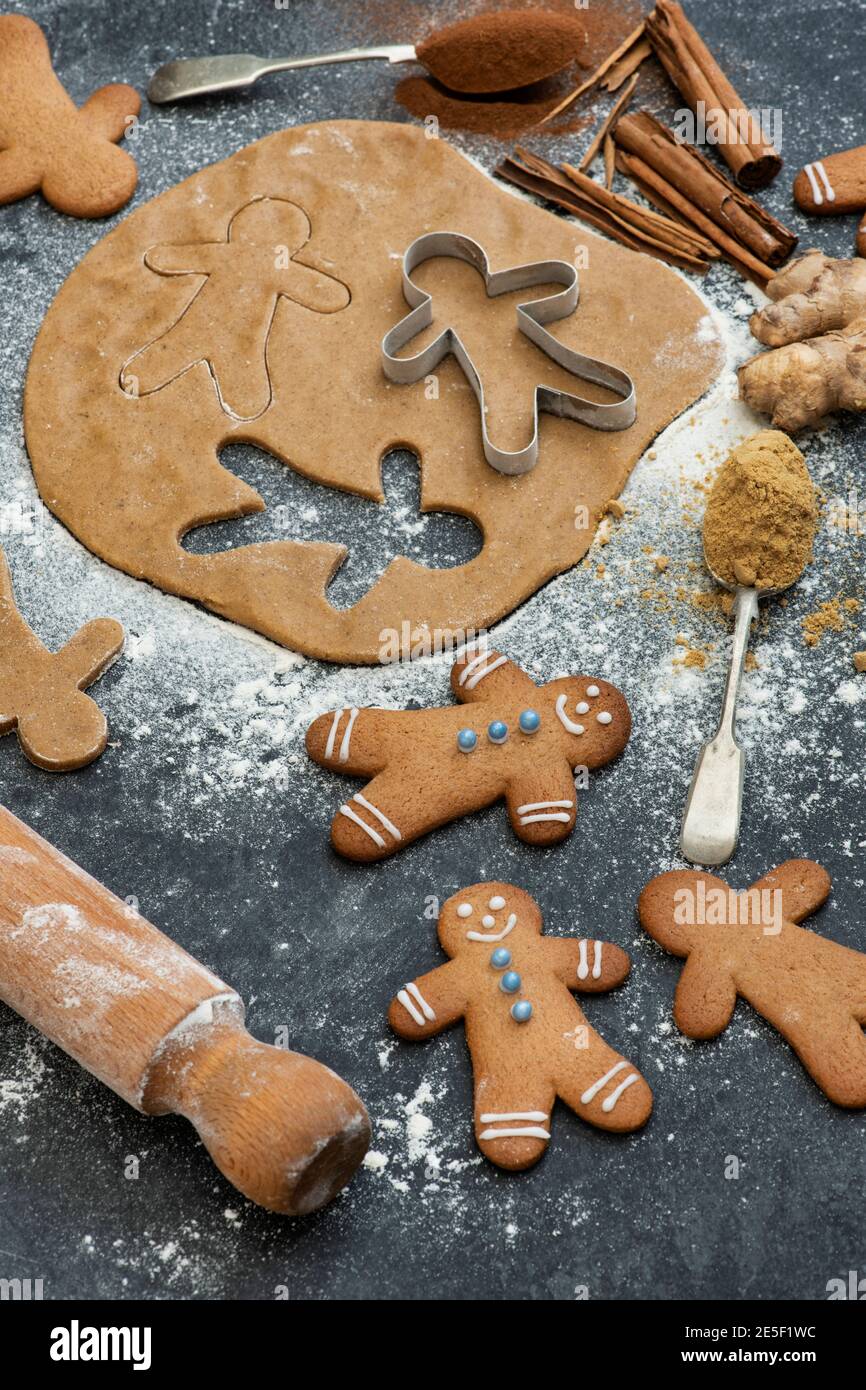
(516, 740)
(42, 692)
(48, 143)
(529, 1040)
(748, 944)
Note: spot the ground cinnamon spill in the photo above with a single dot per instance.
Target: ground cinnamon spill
(423, 97)
(500, 50)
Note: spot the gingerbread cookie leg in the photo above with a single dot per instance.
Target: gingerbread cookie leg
(601, 1086)
(512, 1119)
(109, 110)
(542, 806)
(833, 1051)
(367, 826)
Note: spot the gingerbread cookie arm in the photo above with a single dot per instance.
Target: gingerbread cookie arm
(429, 1004)
(483, 674)
(705, 998)
(109, 110)
(542, 805)
(803, 884)
(584, 965)
(353, 741)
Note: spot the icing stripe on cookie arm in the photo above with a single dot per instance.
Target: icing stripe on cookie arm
(427, 1005)
(485, 674)
(586, 965)
(542, 805)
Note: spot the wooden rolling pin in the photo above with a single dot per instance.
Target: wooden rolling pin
(164, 1033)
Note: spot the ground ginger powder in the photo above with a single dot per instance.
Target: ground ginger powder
(762, 514)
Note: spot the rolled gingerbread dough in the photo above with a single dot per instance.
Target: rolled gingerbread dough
(248, 303)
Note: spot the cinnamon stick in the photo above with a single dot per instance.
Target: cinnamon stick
(634, 37)
(671, 202)
(694, 177)
(626, 65)
(610, 119)
(609, 160)
(696, 74)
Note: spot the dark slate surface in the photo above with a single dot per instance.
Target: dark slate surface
(647, 1217)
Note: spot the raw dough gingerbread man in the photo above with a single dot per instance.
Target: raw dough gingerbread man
(529, 1040)
(811, 989)
(48, 143)
(42, 692)
(228, 321)
(429, 766)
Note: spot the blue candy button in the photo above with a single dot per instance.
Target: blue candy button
(530, 720)
(497, 732)
(521, 1012)
(500, 958)
(466, 740)
(510, 982)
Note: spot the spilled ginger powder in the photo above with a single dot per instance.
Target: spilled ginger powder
(762, 514)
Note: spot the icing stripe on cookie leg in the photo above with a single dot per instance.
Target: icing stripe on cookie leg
(343, 754)
(490, 1117)
(423, 1011)
(607, 1105)
(374, 834)
(596, 960)
(544, 810)
(549, 815)
(380, 815)
(479, 675)
(347, 736)
(525, 1132)
(383, 820)
(602, 1081)
(332, 736)
(541, 806)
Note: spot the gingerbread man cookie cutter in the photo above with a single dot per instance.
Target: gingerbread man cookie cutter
(531, 318)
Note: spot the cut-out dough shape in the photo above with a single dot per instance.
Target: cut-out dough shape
(247, 274)
(811, 989)
(42, 692)
(130, 476)
(48, 143)
(522, 1067)
(423, 778)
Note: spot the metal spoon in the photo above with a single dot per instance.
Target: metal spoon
(231, 72)
(711, 821)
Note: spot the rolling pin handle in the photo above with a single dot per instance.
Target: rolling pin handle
(283, 1128)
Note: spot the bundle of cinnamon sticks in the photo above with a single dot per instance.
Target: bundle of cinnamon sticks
(634, 226)
(701, 215)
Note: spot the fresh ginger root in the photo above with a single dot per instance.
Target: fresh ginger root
(817, 328)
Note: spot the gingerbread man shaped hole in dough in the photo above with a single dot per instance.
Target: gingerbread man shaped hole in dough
(749, 945)
(41, 692)
(228, 321)
(529, 1040)
(48, 143)
(516, 740)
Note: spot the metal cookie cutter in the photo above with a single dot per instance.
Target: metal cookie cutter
(530, 318)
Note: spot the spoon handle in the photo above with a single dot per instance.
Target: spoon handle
(711, 821)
